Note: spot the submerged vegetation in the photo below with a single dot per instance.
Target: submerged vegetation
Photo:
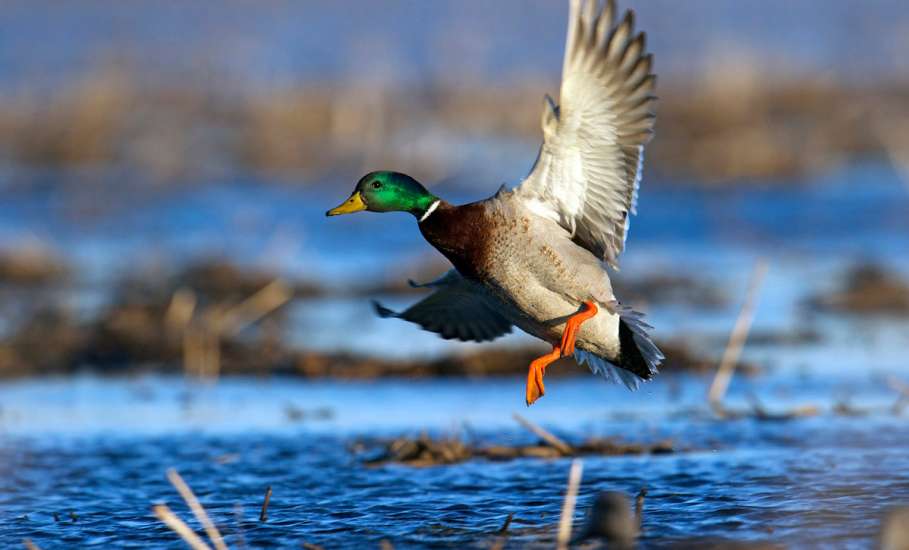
(427, 451)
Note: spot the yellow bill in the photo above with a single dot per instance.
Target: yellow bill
(353, 204)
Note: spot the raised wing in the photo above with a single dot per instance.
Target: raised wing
(587, 173)
(456, 310)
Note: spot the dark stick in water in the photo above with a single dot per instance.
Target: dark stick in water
(639, 507)
(506, 524)
(263, 515)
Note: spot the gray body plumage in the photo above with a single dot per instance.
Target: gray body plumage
(537, 282)
(550, 238)
(541, 277)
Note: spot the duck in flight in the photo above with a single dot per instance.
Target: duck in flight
(534, 257)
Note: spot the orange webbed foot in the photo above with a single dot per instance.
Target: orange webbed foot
(573, 324)
(535, 387)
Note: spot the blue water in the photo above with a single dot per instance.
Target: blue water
(99, 448)
(852, 214)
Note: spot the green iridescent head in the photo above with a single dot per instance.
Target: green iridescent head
(387, 192)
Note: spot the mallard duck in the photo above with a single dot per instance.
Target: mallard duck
(534, 257)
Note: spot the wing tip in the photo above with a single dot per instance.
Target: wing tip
(384, 312)
(629, 18)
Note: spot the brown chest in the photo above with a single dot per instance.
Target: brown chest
(463, 234)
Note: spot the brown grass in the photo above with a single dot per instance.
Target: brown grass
(721, 131)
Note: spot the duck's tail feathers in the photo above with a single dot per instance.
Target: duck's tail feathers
(639, 358)
(603, 367)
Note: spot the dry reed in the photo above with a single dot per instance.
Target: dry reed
(201, 515)
(544, 434)
(729, 129)
(571, 495)
(202, 333)
(736, 339)
(177, 525)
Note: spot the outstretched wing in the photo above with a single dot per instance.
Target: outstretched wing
(456, 310)
(587, 173)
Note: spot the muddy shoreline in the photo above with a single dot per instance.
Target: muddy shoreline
(214, 318)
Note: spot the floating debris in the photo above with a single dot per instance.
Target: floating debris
(424, 451)
(427, 451)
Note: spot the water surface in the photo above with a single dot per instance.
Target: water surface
(100, 447)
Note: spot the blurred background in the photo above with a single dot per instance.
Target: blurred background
(164, 172)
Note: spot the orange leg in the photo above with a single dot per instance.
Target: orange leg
(535, 388)
(574, 324)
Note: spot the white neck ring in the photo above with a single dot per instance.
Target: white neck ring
(430, 210)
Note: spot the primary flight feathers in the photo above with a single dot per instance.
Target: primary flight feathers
(589, 167)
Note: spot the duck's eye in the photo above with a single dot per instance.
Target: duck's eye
(376, 185)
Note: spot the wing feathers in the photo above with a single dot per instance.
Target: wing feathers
(632, 53)
(605, 23)
(620, 37)
(590, 162)
(456, 310)
(550, 119)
